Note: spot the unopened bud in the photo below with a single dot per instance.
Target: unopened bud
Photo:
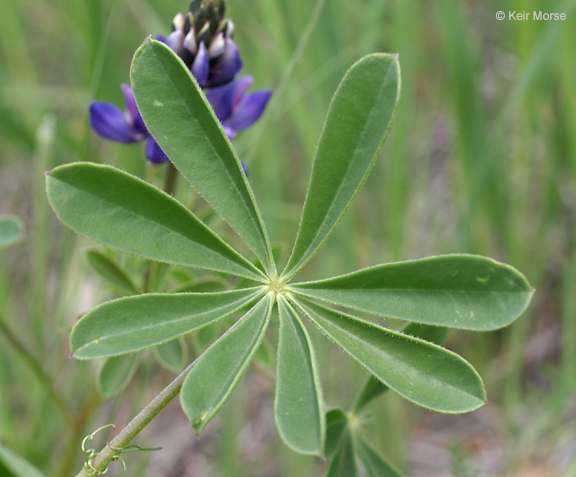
(178, 22)
(204, 34)
(216, 46)
(190, 41)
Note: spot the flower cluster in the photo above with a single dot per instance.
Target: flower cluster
(203, 40)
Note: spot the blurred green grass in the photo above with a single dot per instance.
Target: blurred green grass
(481, 159)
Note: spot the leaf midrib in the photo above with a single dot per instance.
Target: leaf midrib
(373, 347)
(298, 289)
(256, 223)
(248, 299)
(358, 143)
(173, 232)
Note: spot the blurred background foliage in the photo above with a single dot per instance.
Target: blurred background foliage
(481, 159)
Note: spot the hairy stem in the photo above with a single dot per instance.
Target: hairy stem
(36, 368)
(115, 446)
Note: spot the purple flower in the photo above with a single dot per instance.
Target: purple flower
(202, 38)
(235, 109)
(124, 126)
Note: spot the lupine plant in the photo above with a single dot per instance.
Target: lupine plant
(125, 213)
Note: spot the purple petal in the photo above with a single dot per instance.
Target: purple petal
(132, 114)
(176, 41)
(110, 122)
(226, 67)
(201, 65)
(161, 38)
(249, 110)
(231, 133)
(224, 99)
(245, 168)
(154, 153)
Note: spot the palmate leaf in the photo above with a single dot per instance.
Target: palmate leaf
(135, 323)
(298, 406)
(123, 212)
(456, 291)
(217, 372)
(11, 230)
(358, 121)
(419, 371)
(181, 120)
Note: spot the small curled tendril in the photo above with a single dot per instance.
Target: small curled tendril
(91, 453)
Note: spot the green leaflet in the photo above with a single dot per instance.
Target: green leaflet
(172, 355)
(217, 372)
(374, 387)
(123, 212)
(11, 230)
(374, 464)
(179, 117)
(357, 123)
(116, 373)
(421, 372)
(456, 291)
(135, 323)
(111, 271)
(12, 465)
(298, 406)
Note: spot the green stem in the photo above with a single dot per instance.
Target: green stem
(121, 441)
(111, 451)
(36, 368)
